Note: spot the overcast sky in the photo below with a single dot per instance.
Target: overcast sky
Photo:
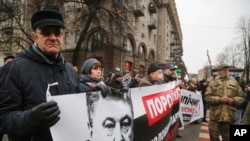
(208, 25)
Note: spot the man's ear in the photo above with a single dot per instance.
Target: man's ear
(34, 36)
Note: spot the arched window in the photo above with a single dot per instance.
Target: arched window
(128, 46)
(141, 52)
(151, 57)
(96, 41)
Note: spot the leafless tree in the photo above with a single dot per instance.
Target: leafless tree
(231, 55)
(244, 34)
(93, 13)
(11, 20)
(14, 29)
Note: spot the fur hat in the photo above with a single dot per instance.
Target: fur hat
(86, 67)
(47, 17)
(153, 67)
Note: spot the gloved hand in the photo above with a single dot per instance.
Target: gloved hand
(103, 88)
(44, 115)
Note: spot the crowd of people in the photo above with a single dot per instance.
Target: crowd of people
(25, 113)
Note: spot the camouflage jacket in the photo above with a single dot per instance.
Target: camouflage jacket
(223, 87)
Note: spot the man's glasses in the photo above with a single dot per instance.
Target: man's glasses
(48, 31)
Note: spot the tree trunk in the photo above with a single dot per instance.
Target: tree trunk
(82, 37)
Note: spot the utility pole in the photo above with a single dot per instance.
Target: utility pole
(210, 64)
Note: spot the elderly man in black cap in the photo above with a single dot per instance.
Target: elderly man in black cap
(25, 112)
(155, 76)
(223, 95)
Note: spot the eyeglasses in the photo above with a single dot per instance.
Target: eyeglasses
(48, 31)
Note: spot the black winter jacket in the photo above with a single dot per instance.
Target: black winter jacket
(23, 85)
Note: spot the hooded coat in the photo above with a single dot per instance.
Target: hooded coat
(87, 84)
(23, 85)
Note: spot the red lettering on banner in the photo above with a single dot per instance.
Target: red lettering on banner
(158, 105)
(187, 109)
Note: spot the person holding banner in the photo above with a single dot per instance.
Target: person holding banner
(24, 113)
(169, 76)
(116, 81)
(169, 73)
(90, 75)
(193, 87)
(223, 96)
(110, 115)
(202, 86)
(155, 76)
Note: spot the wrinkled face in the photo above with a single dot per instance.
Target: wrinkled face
(156, 75)
(49, 39)
(112, 126)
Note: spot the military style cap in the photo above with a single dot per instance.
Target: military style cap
(224, 67)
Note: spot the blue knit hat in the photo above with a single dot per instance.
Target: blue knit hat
(86, 67)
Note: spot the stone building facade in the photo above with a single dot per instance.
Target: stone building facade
(124, 34)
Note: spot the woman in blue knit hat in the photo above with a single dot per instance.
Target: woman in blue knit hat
(91, 74)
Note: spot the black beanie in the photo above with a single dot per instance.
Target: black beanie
(153, 67)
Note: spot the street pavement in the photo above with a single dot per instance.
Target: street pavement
(195, 132)
(190, 132)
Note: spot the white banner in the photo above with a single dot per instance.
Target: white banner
(191, 106)
(156, 112)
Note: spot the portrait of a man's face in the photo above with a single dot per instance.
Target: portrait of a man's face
(110, 117)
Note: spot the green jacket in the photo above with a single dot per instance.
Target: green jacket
(246, 117)
(223, 87)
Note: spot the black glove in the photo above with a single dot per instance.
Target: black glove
(44, 115)
(103, 88)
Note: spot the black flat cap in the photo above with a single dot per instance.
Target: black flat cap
(47, 17)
